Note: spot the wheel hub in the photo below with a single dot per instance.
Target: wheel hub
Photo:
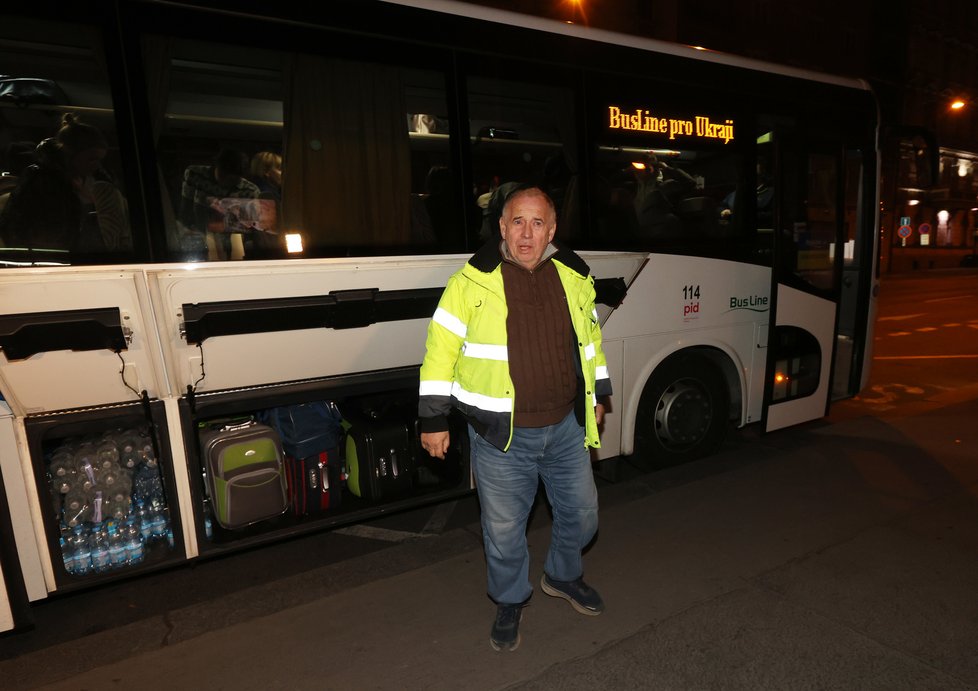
(683, 415)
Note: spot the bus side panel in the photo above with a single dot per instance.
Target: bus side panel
(674, 293)
(181, 476)
(60, 377)
(614, 352)
(18, 499)
(679, 302)
(253, 359)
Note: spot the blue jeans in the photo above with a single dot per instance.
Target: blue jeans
(507, 485)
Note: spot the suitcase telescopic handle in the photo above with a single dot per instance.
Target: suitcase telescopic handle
(233, 427)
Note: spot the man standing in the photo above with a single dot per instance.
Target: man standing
(515, 346)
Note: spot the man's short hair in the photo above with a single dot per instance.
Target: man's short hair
(526, 189)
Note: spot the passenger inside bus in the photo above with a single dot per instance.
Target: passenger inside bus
(266, 173)
(66, 200)
(658, 189)
(265, 242)
(765, 199)
(491, 204)
(213, 208)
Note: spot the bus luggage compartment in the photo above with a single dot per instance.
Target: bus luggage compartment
(421, 479)
(107, 491)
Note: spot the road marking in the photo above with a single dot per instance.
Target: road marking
(926, 357)
(927, 328)
(888, 393)
(901, 333)
(382, 534)
(951, 324)
(900, 317)
(439, 517)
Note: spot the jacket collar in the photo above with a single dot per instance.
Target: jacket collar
(489, 257)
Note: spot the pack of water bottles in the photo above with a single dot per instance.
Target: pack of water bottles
(109, 496)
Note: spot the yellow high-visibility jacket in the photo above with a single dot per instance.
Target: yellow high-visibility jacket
(467, 359)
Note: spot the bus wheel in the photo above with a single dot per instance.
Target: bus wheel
(683, 412)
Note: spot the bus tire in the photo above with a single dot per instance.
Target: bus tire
(684, 411)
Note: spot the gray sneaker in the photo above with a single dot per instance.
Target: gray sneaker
(582, 597)
(506, 629)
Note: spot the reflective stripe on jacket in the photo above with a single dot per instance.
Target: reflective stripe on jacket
(467, 359)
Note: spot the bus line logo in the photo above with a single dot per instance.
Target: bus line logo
(754, 303)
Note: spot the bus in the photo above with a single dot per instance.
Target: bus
(212, 210)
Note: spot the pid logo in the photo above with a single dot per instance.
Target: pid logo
(691, 302)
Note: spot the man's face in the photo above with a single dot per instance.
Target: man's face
(527, 226)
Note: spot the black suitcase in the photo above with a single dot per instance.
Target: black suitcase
(380, 460)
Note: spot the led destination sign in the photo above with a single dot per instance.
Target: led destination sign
(640, 120)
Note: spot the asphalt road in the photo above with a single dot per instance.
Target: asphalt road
(925, 345)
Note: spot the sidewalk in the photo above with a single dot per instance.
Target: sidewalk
(832, 556)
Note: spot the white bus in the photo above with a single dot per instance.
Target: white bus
(286, 189)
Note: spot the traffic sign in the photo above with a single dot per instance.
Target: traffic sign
(905, 231)
(924, 229)
(904, 220)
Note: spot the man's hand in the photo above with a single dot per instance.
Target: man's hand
(599, 413)
(435, 443)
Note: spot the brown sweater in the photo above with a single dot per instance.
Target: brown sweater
(541, 345)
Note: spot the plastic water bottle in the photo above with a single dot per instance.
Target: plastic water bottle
(135, 551)
(62, 469)
(145, 520)
(147, 483)
(85, 471)
(128, 445)
(77, 510)
(160, 520)
(80, 551)
(99, 549)
(107, 454)
(67, 553)
(144, 448)
(98, 507)
(118, 555)
(120, 495)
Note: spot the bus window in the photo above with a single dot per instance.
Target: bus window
(523, 133)
(677, 200)
(809, 220)
(61, 190)
(213, 108)
(268, 154)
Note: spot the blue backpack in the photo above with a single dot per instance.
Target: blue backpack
(307, 429)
